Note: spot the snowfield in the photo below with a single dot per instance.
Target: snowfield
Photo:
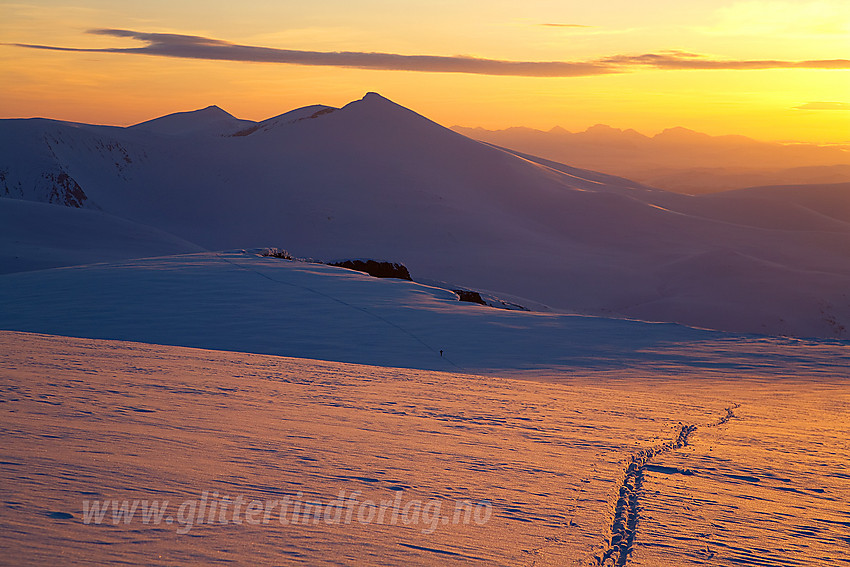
(88, 422)
(244, 302)
(675, 392)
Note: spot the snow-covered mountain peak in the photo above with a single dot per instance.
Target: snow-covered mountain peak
(372, 96)
(214, 110)
(376, 107)
(211, 112)
(376, 115)
(209, 120)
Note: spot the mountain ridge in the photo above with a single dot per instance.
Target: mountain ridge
(375, 179)
(678, 159)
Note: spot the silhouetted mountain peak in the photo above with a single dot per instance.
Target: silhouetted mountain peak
(679, 133)
(605, 133)
(374, 102)
(211, 119)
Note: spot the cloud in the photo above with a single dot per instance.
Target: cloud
(824, 106)
(197, 47)
(685, 60)
(566, 26)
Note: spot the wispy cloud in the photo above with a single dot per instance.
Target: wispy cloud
(685, 60)
(824, 106)
(566, 26)
(197, 47)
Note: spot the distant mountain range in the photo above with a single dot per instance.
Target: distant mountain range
(375, 180)
(679, 159)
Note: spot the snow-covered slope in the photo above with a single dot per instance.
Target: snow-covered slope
(34, 236)
(374, 179)
(30, 169)
(291, 117)
(242, 301)
(830, 199)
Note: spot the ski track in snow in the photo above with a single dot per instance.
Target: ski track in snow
(769, 488)
(624, 527)
(626, 510)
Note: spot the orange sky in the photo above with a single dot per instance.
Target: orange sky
(769, 69)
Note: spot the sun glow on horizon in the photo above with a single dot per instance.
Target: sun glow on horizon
(780, 100)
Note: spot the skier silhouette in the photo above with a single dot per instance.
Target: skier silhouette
(441, 353)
